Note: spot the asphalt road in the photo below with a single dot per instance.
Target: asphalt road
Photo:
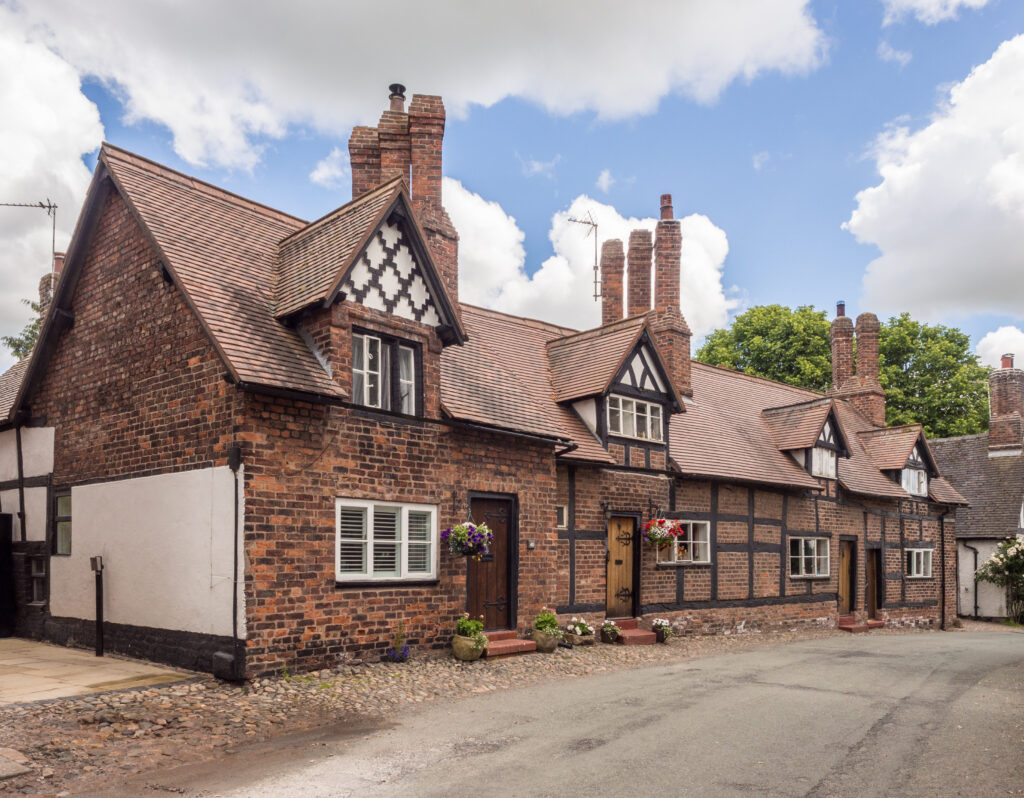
(936, 714)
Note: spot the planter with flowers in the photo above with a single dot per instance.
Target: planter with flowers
(663, 629)
(659, 532)
(468, 540)
(546, 633)
(580, 633)
(468, 642)
(609, 632)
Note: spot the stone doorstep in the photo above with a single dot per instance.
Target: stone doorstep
(508, 647)
(848, 623)
(630, 633)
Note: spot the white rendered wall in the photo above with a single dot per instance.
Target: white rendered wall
(167, 544)
(35, 512)
(991, 599)
(36, 452)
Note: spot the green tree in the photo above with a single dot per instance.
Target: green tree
(930, 377)
(773, 341)
(22, 343)
(928, 372)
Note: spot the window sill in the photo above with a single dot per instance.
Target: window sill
(919, 578)
(682, 564)
(365, 584)
(811, 578)
(631, 439)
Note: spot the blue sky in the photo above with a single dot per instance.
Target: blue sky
(773, 155)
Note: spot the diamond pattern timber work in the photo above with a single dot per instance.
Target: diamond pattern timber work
(387, 277)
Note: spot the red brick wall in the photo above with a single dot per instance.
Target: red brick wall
(134, 386)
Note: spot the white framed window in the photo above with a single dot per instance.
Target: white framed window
(915, 481)
(383, 374)
(384, 541)
(808, 557)
(633, 418)
(919, 563)
(692, 546)
(823, 462)
(561, 516)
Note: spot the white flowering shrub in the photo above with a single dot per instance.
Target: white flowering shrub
(1005, 568)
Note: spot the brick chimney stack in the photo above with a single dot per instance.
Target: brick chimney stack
(668, 327)
(409, 144)
(1006, 408)
(612, 260)
(58, 264)
(861, 389)
(639, 268)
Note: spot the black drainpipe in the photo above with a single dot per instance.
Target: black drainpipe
(234, 463)
(21, 481)
(969, 546)
(942, 576)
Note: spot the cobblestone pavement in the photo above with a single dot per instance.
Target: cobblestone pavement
(89, 742)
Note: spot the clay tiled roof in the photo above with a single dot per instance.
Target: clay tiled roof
(585, 363)
(724, 435)
(313, 259)
(500, 377)
(994, 486)
(10, 382)
(858, 473)
(797, 426)
(942, 491)
(891, 447)
(222, 251)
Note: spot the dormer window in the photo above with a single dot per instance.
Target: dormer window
(384, 373)
(915, 476)
(633, 418)
(823, 455)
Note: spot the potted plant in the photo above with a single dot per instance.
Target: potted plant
(546, 633)
(663, 629)
(468, 540)
(579, 632)
(660, 531)
(609, 631)
(469, 641)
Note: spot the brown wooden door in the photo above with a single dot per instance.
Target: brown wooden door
(845, 577)
(620, 603)
(489, 582)
(871, 572)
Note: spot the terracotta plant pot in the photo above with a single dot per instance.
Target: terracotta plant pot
(580, 640)
(607, 638)
(662, 637)
(545, 643)
(464, 648)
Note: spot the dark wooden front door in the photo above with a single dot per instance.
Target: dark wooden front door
(490, 583)
(7, 604)
(621, 543)
(874, 568)
(846, 577)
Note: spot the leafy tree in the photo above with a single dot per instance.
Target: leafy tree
(931, 377)
(773, 341)
(928, 371)
(22, 343)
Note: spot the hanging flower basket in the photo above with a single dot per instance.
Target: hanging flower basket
(660, 531)
(468, 540)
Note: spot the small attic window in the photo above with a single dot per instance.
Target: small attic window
(914, 477)
(632, 418)
(824, 453)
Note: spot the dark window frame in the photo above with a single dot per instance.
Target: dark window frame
(58, 519)
(393, 344)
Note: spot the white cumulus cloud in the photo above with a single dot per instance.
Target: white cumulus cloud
(332, 171)
(948, 214)
(47, 125)
(224, 82)
(605, 180)
(889, 53)
(1005, 340)
(492, 262)
(930, 12)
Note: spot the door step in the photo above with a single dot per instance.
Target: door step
(506, 644)
(630, 633)
(849, 624)
(876, 624)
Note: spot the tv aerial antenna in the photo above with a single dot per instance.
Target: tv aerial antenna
(591, 222)
(51, 211)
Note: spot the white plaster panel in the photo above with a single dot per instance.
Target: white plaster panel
(991, 598)
(587, 410)
(658, 384)
(35, 512)
(167, 544)
(36, 452)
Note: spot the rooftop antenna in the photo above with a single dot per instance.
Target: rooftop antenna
(592, 224)
(51, 211)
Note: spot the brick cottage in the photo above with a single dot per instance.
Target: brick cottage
(262, 424)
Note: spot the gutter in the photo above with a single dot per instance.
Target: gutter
(969, 546)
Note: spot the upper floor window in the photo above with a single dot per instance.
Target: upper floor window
(385, 541)
(915, 476)
(384, 374)
(824, 453)
(632, 418)
(62, 524)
